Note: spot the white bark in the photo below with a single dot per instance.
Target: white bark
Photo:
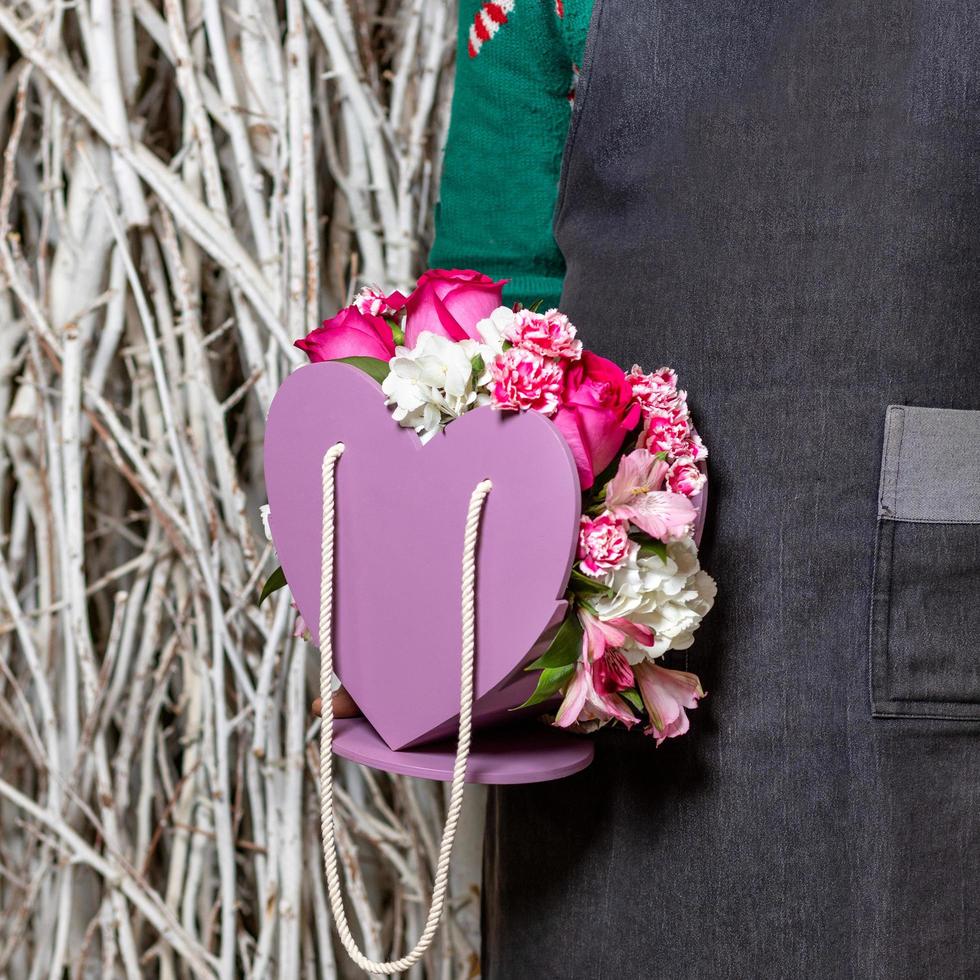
(187, 187)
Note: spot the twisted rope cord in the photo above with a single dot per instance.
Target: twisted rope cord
(468, 596)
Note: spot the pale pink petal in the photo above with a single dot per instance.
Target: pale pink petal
(663, 515)
(575, 695)
(600, 635)
(639, 473)
(666, 693)
(641, 634)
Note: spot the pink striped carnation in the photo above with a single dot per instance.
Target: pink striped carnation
(372, 301)
(685, 477)
(667, 433)
(549, 334)
(603, 544)
(522, 380)
(657, 393)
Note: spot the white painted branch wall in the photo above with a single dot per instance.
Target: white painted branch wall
(187, 186)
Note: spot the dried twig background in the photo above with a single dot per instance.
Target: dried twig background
(188, 186)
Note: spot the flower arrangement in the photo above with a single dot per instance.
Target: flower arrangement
(636, 590)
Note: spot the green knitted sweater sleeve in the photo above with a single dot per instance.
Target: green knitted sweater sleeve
(516, 62)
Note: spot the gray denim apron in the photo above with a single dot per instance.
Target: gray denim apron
(782, 201)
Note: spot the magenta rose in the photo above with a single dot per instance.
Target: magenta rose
(596, 414)
(450, 303)
(350, 333)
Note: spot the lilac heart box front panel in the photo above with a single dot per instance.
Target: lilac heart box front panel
(401, 511)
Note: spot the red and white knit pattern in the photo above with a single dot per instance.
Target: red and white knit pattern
(487, 22)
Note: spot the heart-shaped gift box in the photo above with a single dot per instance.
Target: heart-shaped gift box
(400, 515)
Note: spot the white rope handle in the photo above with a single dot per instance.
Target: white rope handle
(441, 880)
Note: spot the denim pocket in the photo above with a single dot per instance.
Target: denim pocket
(925, 604)
(589, 56)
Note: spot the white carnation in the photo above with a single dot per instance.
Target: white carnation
(435, 382)
(671, 598)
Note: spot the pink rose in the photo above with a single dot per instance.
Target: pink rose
(635, 494)
(349, 334)
(603, 544)
(597, 412)
(548, 334)
(450, 303)
(371, 301)
(685, 477)
(666, 693)
(523, 381)
(611, 673)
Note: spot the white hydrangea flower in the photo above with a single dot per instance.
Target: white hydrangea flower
(671, 598)
(435, 382)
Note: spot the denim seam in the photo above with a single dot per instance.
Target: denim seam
(578, 110)
(930, 520)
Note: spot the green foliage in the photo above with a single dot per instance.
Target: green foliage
(565, 648)
(373, 366)
(578, 582)
(272, 584)
(550, 682)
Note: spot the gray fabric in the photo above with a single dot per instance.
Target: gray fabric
(930, 469)
(925, 629)
(781, 200)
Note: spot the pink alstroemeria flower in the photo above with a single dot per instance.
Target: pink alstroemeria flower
(583, 703)
(601, 635)
(636, 493)
(611, 674)
(666, 693)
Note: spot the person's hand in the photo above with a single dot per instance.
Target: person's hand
(343, 705)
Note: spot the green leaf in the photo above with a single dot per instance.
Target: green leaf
(536, 305)
(272, 584)
(550, 682)
(478, 366)
(565, 648)
(632, 695)
(654, 547)
(578, 582)
(373, 366)
(397, 334)
(649, 545)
